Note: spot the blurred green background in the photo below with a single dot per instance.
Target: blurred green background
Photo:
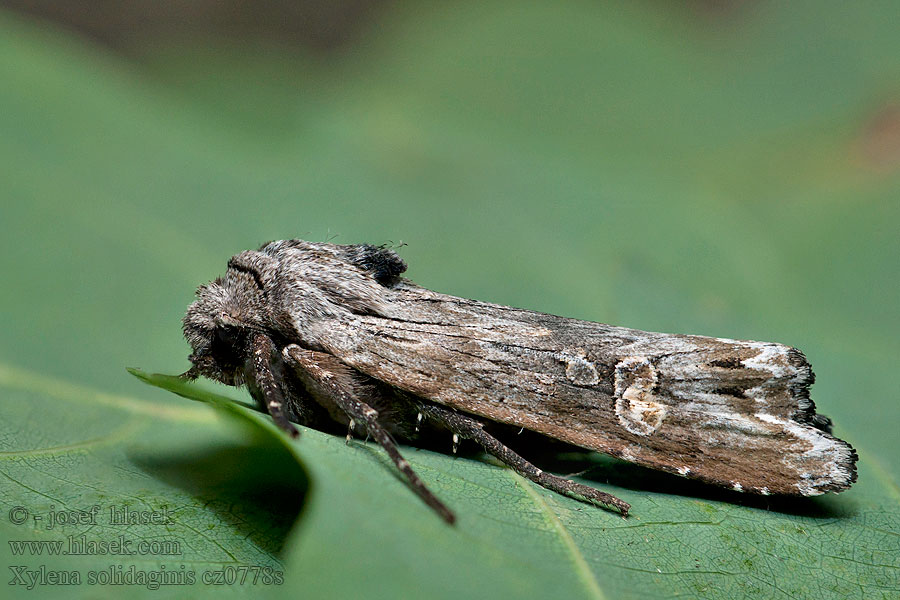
(729, 169)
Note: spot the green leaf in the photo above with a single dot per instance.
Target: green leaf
(667, 168)
(222, 500)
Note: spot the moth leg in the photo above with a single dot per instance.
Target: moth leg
(261, 359)
(314, 370)
(472, 429)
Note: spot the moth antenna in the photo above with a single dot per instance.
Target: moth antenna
(312, 369)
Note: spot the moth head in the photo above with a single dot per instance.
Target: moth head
(218, 325)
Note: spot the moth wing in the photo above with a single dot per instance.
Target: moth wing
(730, 412)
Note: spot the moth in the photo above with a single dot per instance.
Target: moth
(332, 336)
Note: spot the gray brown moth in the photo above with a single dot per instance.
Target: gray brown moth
(330, 335)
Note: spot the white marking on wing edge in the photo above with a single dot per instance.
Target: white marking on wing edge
(737, 486)
(822, 448)
(684, 470)
(764, 491)
(767, 360)
(805, 488)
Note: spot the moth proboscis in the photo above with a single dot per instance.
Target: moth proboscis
(328, 335)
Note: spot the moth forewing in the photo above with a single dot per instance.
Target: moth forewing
(729, 412)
